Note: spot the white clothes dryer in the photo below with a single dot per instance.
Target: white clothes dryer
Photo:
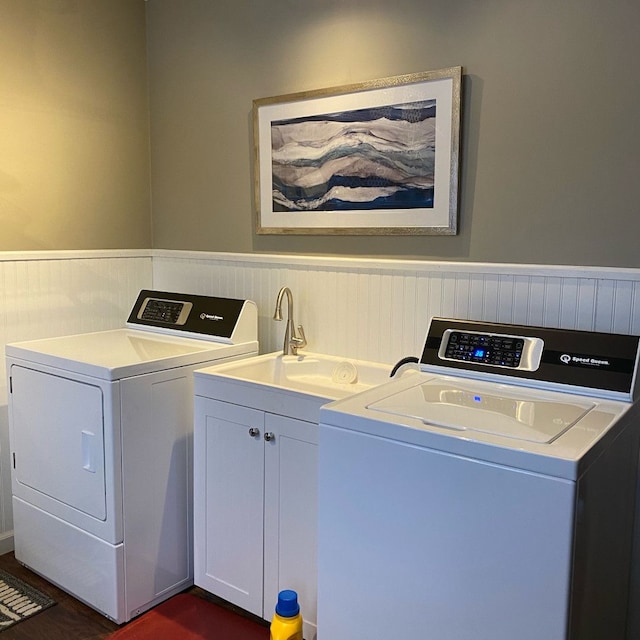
(101, 431)
(488, 495)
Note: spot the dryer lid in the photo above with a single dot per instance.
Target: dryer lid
(496, 409)
(121, 353)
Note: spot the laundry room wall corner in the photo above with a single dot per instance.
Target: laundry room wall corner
(52, 293)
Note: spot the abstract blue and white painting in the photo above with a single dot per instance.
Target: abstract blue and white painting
(375, 158)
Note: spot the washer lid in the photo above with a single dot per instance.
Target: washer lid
(459, 406)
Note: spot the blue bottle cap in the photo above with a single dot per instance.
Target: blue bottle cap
(288, 606)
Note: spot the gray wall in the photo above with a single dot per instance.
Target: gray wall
(550, 157)
(74, 125)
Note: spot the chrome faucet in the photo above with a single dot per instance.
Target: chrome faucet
(292, 341)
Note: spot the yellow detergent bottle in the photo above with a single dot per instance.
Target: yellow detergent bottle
(287, 620)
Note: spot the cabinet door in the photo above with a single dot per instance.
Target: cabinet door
(290, 520)
(228, 502)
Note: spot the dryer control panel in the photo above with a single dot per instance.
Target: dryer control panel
(165, 311)
(206, 317)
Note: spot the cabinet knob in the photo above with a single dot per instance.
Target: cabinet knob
(253, 432)
(268, 436)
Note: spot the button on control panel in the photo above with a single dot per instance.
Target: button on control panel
(169, 312)
(495, 350)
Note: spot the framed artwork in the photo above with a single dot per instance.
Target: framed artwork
(378, 157)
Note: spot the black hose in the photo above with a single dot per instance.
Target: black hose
(406, 360)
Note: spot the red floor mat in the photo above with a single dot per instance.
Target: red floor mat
(188, 617)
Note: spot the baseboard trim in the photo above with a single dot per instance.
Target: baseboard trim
(6, 542)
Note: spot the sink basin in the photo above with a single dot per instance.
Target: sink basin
(330, 377)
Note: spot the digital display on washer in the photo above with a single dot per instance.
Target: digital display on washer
(170, 312)
(605, 362)
(484, 348)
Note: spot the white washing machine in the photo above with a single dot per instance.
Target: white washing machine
(487, 496)
(101, 431)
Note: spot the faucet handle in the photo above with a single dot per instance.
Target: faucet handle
(299, 341)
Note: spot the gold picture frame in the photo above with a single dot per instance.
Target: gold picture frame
(373, 158)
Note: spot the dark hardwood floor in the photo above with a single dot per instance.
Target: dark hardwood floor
(69, 619)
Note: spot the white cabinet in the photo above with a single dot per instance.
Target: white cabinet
(255, 504)
(229, 502)
(290, 514)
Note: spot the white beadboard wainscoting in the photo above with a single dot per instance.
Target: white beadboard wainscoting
(360, 308)
(55, 293)
(380, 309)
